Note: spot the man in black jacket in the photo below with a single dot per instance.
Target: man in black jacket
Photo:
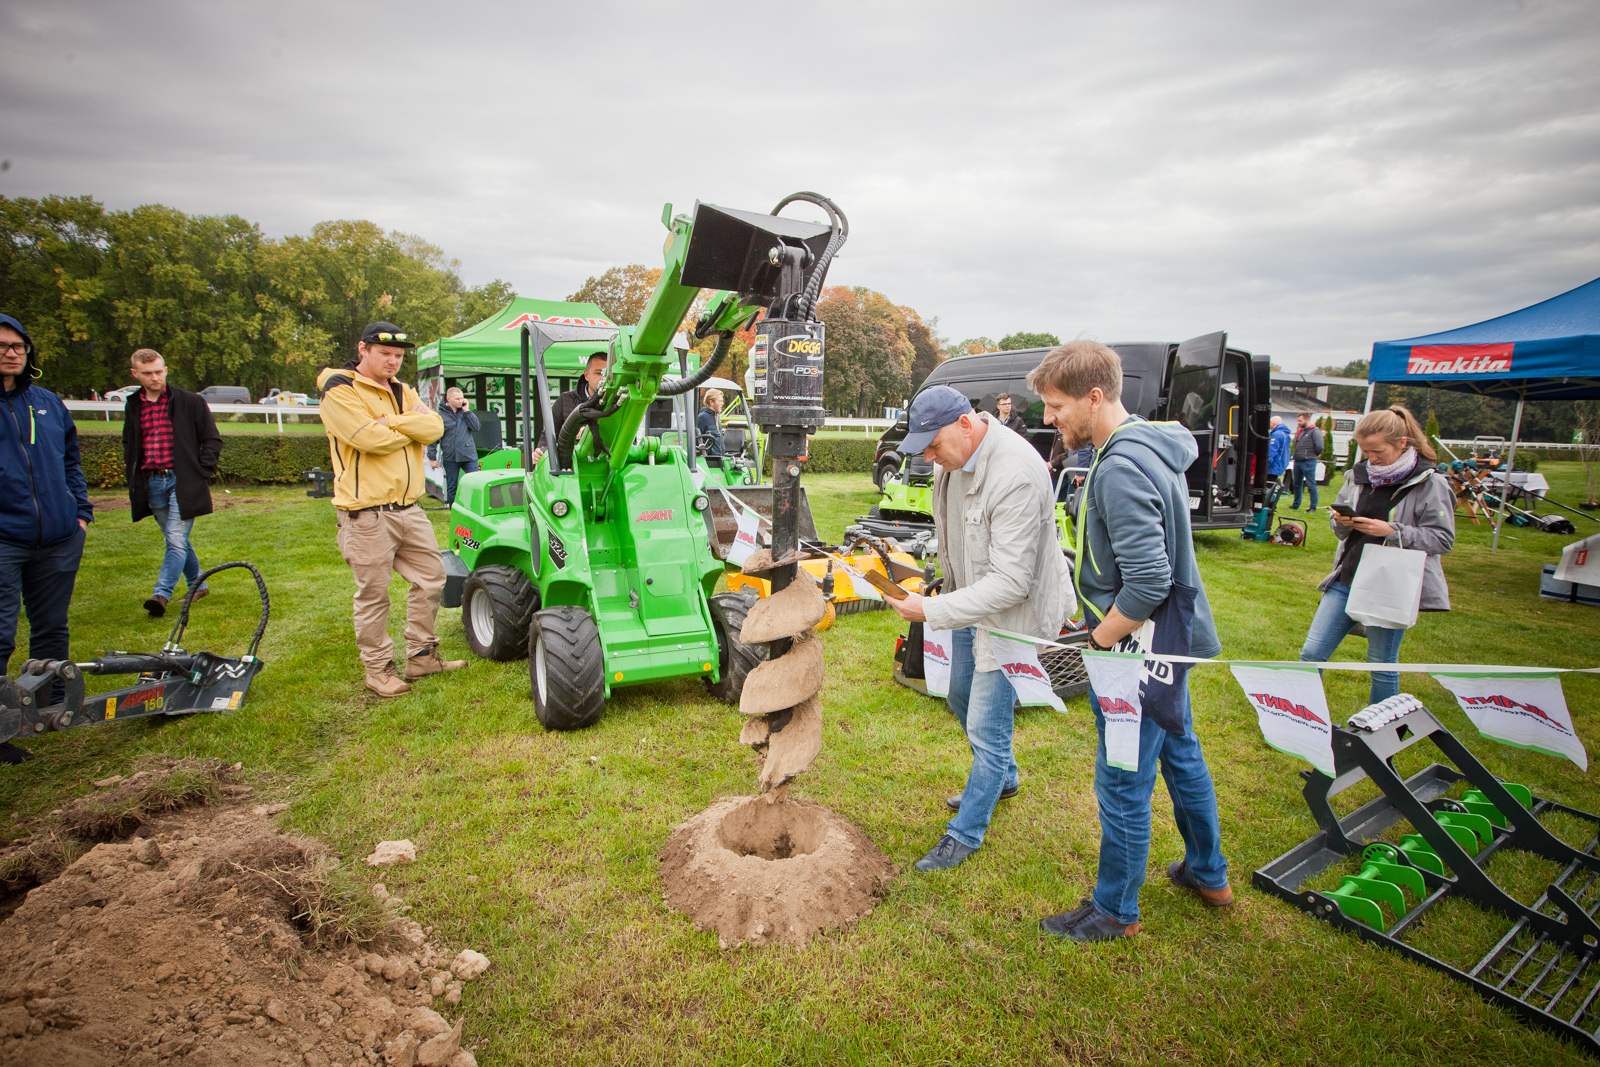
(593, 372)
(170, 446)
(456, 449)
(1014, 423)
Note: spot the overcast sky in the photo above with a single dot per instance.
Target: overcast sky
(1310, 178)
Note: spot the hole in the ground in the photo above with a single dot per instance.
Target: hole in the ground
(772, 831)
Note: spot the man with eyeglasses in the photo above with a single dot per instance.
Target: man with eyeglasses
(377, 430)
(44, 510)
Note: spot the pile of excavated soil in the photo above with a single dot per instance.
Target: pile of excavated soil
(211, 938)
(772, 873)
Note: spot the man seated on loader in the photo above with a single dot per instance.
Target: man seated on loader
(588, 385)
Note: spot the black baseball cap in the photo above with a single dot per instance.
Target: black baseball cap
(386, 333)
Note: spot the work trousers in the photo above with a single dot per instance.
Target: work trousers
(39, 580)
(1124, 798)
(377, 544)
(982, 702)
(179, 558)
(453, 471)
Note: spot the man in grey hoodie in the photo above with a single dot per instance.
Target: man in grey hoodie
(994, 511)
(1134, 552)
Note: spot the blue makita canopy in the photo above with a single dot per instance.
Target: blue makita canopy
(1550, 351)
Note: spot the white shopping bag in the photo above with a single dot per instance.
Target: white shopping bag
(1115, 678)
(745, 540)
(1523, 710)
(1580, 562)
(1388, 587)
(1020, 662)
(1292, 711)
(937, 647)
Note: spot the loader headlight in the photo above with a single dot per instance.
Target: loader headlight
(559, 509)
(701, 503)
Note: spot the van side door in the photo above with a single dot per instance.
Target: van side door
(1194, 384)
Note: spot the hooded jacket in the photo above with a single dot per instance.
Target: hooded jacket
(1278, 450)
(1012, 574)
(374, 464)
(1424, 518)
(1135, 529)
(42, 491)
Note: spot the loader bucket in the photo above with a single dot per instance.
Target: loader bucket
(758, 498)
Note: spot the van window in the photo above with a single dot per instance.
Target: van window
(1194, 397)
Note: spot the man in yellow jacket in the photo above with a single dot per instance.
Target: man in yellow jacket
(377, 430)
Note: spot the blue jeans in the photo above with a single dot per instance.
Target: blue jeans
(1305, 474)
(452, 475)
(40, 580)
(982, 702)
(1124, 798)
(179, 557)
(1330, 625)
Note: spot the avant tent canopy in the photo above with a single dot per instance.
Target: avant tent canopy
(1549, 351)
(494, 346)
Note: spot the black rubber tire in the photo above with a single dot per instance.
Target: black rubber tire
(874, 512)
(883, 470)
(511, 600)
(564, 646)
(734, 657)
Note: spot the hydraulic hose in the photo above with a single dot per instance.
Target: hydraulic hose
(588, 411)
(678, 386)
(819, 270)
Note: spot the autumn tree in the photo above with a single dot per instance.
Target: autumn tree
(621, 292)
(1013, 342)
(973, 346)
(869, 351)
(926, 353)
(478, 303)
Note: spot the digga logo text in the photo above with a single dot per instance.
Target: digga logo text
(802, 346)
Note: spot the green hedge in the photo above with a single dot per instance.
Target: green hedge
(264, 458)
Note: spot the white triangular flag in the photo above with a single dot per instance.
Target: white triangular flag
(744, 538)
(1114, 677)
(936, 651)
(1522, 710)
(1292, 711)
(1020, 662)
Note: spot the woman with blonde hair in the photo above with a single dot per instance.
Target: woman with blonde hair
(1396, 498)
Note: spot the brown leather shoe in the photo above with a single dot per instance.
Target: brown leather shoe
(1178, 872)
(156, 606)
(386, 682)
(201, 593)
(421, 664)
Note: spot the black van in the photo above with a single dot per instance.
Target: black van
(1222, 394)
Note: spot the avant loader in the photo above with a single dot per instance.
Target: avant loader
(599, 557)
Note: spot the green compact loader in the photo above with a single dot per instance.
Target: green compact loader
(597, 558)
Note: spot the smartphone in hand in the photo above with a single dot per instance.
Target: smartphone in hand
(1343, 509)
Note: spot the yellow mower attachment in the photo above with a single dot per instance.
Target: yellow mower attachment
(864, 554)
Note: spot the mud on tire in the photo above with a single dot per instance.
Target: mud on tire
(735, 658)
(566, 668)
(497, 604)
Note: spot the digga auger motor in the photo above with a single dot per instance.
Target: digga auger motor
(600, 564)
(170, 682)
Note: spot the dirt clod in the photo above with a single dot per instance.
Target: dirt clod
(389, 853)
(772, 873)
(793, 742)
(798, 606)
(784, 682)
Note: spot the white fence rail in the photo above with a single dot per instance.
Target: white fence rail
(1544, 446)
(867, 426)
(268, 412)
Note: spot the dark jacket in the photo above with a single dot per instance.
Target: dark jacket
(1136, 531)
(42, 491)
(1424, 518)
(707, 428)
(1278, 450)
(1308, 443)
(567, 403)
(1016, 425)
(196, 444)
(457, 445)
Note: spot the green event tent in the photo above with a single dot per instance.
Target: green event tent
(494, 346)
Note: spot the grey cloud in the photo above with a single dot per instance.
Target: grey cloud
(1310, 178)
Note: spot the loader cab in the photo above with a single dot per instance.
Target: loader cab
(1220, 394)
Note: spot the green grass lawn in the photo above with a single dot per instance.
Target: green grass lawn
(563, 830)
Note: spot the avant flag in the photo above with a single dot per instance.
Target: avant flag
(936, 649)
(1580, 562)
(1526, 711)
(744, 539)
(1292, 711)
(1114, 677)
(1020, 662)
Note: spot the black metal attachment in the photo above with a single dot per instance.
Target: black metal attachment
(1546, 968)
(322, 479)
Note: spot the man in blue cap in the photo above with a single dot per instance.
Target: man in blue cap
(44, 510)
(994, 512)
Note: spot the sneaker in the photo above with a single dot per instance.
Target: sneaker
(954, 803)
(1178, 873)
(10, 753)
(386, 681)
(156, 605)
(1086, 923)
(421, 664)
(945, 856)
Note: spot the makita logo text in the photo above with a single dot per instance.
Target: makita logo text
(1027, 670)
(1508, 704)
(1116, 706)
(654, 516)
(1459, 359)
(1283, 704)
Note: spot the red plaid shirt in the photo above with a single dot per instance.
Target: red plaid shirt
(155, 424)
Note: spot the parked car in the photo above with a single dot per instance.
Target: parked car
(1222, 394)
(226, 394)
(121, 395)
(280, 396)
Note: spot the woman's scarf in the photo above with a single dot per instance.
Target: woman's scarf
(1394, 472)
